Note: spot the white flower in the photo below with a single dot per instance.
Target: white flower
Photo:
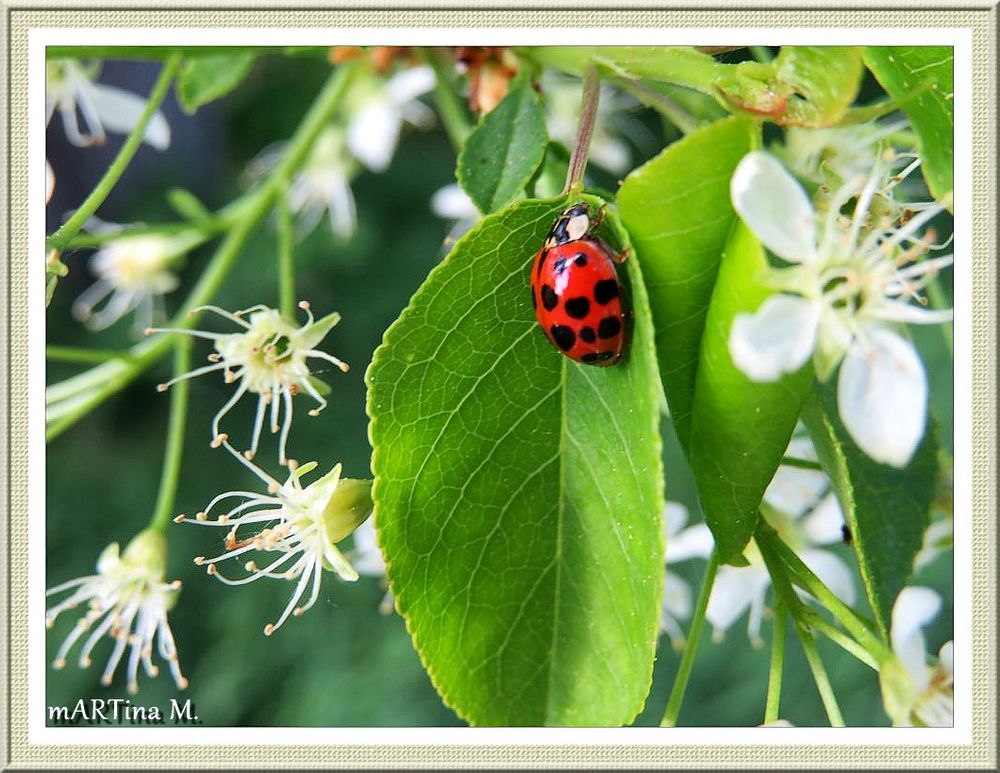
(850, 284)
(938, 539)
(914, 692)
(452, 203)
(50, 181)
(128, 600)
(291, 531)
(72, 86)
(805, 519)
(845, 152)
(682, 544)
(323, 185)
(268, 357)
(367, 559)
(133, 273)
(379, 108)
(562, 100)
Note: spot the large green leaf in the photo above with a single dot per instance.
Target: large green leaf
(888, 509)
(739, 428)
(203, 79)
(502, 153)
(678, 214)
(517, 493)
(921, 80)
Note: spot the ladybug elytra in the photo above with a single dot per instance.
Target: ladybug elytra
(576, 292)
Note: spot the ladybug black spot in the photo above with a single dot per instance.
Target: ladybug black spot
(587, 334)
(578, 308)
(563, 336)
(609, 327)
(581, 260)
(597, 356)
(549, 298)
(605, 291)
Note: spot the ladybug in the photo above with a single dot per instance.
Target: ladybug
(576, 293)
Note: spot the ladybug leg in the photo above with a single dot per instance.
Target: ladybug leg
(598, 218)
(621, 257)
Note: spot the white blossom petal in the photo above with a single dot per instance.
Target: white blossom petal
(735, 589)
(914, 608)
(882, 396)
(452, 203)
(374, 133)
(794, 490)
(946, 658)
(410, 84)
(778, 338)
(774, 207)
(675, 515)
(676, 596)
(120, 111)
(832, 571)
(824, 525)
(694, 542)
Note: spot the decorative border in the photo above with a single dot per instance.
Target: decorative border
(16, 21)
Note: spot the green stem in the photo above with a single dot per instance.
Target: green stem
(800, 617)
(820, 676)
(174, 452)
(588, 119)
(845, 642)
(802, 464)
(68, 401)
(660, 102)
(453, 114)
(71, 227)
(286, 256)
(773, 704)
(804, 577)
(691, 645)
(75, 354)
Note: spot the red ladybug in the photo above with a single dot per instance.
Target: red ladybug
(576, 293)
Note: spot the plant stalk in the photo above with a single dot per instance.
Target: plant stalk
(691, 645)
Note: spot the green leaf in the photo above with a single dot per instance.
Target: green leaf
(809, 86)
(502, 153)
(187, 205)
(518, 494)
(921, 80)
(739, 428)
(204, 79)
(678, 214)
(681, 65)
(887, 509)
(550, 177)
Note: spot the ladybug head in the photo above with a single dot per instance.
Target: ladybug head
(573, 224)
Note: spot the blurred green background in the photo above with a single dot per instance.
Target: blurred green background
(342, 664)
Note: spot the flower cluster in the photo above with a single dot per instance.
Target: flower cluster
(842, 299)
(292, 531)
(72, 87)
(379, 107)
(915, 692)
(268, 358)
(128, 600)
